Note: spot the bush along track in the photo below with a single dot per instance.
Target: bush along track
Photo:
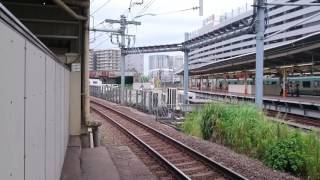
(247, 130)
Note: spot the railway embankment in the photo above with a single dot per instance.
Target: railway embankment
(247, 130)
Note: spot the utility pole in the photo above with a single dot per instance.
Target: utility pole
(260, 28)
(200, 7)
(123, 55)
(122, 45)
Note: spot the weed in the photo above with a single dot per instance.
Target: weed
(247, 130)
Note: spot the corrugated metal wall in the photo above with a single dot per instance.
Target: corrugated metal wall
(34, 110)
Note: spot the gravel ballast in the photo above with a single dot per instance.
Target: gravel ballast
(248, 167)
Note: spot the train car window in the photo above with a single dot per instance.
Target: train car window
(274, 82)
(306, 84)
(316, 83)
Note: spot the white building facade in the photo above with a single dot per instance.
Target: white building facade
(105, 60)
(290, 23)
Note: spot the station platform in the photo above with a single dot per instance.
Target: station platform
(87, 164)
(101, 163)
(304, 105)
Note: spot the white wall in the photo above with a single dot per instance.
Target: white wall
(267, 89)
(34, 109)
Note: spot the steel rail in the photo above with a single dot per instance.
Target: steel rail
(173, 169)
(199, 156)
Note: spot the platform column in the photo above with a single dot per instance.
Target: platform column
(284, 81)
(216, 83)
(224, 87)
(246, 83)
(186, 73)
(211, 83)
(260, 29)
(208, 83)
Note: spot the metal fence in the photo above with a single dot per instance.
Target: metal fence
(148, 101)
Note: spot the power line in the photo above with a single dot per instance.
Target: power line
(134, 3)
(97, 36)
(146, 7)
(177, 11)
(99, 8)
(104, 41)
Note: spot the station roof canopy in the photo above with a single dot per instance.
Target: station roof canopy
(52, 22)
(300, 51)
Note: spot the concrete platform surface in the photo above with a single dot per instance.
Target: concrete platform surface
(308, 100)
(71, 167)
(129, 165)
(96, 164)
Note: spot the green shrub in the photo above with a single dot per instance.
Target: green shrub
(286, 155)
(247, 130)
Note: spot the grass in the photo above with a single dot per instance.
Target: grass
(192, 125)
(247, 130)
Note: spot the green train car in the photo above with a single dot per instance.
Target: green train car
(308, 85)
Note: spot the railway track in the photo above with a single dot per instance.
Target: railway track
(295, 121)
(181, 161)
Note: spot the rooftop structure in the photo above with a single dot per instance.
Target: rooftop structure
(210, 22)
(287, 27)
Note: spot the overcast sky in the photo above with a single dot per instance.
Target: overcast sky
(160, 29)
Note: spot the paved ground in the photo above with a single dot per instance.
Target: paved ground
(96, 164)
(101, 163)
(129, 165)
(132, 162)
(71, 167)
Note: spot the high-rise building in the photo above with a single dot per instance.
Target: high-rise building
(163, 67)
(135, 63)
(107, 60)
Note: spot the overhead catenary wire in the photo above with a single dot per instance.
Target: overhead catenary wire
(146, 7)
(99, 8)
(98, 36)
(131, 5)
(100, 43)
(171, 12)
